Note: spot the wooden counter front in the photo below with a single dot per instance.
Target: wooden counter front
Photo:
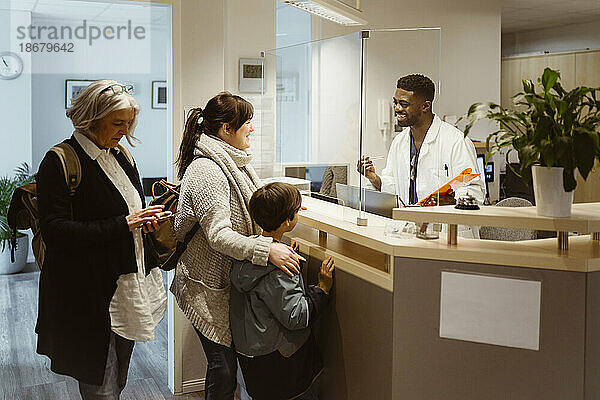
(380, 338)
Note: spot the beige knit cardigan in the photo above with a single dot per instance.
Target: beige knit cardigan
(215, 191)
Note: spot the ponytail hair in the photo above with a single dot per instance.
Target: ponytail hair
(191, 134)
(224, 108)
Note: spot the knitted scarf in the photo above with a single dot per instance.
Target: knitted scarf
(231, 160)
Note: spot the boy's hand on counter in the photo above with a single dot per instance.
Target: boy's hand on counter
(326, 275)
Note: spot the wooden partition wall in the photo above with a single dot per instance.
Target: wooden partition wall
(580, 68)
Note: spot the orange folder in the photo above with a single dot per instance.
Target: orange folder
(458, 181)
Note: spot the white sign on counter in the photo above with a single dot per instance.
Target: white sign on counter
(490, 309)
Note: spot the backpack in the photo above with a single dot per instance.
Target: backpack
(23, 210)
(164, 243)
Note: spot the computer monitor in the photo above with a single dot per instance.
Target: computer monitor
(376, 202)
(314, 173)
(486, 171)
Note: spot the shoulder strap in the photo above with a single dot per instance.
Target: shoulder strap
(191, 233)
(70, 163)
(126, 153)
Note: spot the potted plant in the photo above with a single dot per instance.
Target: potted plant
(8, 185)
(554, 132)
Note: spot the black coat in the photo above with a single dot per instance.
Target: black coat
(88, 247)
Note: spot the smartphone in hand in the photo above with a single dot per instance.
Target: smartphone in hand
(164, 216)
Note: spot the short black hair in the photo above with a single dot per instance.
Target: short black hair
(274, 203)
(418, 84)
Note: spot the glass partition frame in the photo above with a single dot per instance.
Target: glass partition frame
(343, 90)
(414, 51)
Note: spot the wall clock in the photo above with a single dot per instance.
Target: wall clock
(11, 65)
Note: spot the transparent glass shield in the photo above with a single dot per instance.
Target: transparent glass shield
(310, 115)
(384, 137)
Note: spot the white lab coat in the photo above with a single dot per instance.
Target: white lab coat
(443, 146)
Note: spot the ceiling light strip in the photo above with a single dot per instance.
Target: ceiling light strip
(328, 11)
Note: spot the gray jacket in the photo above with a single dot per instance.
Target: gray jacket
(270, 310)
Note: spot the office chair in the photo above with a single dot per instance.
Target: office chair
(508, 234)
(333, 174)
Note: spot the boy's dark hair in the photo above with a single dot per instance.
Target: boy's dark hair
(418, 84)
(273, 203)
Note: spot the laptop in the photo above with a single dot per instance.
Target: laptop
(376, 202)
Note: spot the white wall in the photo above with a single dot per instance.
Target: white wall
(552, 40)
(250, 29)
(15, 99)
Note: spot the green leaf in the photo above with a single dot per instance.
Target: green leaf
(548, 156)
(474, 107)
(549, 78)
(537, 102)
(550, 104)
(543, 129)
(569, 182)
(559, 89)
(525, 174)
(561, 107)
(7, 187)
(528, 155)
(528, 86)
(563, 151)
(586, 149)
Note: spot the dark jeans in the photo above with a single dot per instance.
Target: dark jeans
(221, 371)
(115, 372)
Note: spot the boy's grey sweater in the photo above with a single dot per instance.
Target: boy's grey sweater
(215, 191)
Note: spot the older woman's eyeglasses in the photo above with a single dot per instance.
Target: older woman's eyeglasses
(119, 89)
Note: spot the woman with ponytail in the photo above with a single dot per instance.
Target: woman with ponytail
(217, 182)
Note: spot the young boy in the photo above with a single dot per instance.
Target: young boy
(270, 312)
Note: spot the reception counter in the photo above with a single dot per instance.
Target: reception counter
(425, 319)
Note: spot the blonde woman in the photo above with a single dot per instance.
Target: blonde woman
(99, 290)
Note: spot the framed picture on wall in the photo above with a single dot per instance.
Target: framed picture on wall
(159, 94)
(73, 88)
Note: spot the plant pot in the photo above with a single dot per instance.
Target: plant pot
(551, 200)
(7, 267)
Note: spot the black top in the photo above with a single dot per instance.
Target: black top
(88, 247)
